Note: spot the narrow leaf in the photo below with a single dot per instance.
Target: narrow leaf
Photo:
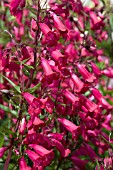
(1, 139)
(17, 88)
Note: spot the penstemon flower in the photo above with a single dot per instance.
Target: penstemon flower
(56, 85)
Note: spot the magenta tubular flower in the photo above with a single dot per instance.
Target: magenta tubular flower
(44, 28)
(79, 164)
(38, 122)
(64, 152)
(70, 96)
(29, 97)
(101, 99)
(22, 126)
(47, 155)
(35, 107)
(14, 5)
(96, 23)
(46, 66)
(71, 127)
(23, 165)
(95, 69)
(86, 75)
(78, 83)
(58, 23)
(25, 53)
(56, 54)
(32, 155)
(2, 151)
(57, 136)
(91, 106)
(108, 72)
(49, 74)
(40, 149)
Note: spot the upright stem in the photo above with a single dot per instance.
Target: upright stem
(35, 49)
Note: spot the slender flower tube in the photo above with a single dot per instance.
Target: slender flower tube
(86, 75)
(44, 28)
(23, 165)
(56, 54)
(64, 152)
(70, 96)
(78, 83)
(14, 5)
(22, 125)
(71, 127)
(32, 155)
(58, 23)
(46, 66)
(2, 151)
(29, 97)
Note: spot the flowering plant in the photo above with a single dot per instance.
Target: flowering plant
(56, 85)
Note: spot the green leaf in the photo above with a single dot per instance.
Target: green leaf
(33, 89)
(7, 109)
(1, 139)
(17, 88)
(28, 66)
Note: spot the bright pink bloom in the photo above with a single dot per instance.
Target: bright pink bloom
(46, 66)
(35, 107)
(95, 69)
(108, 72)
(86, 75)
(25, 53)
(32, 155)
(71, 127)
(58, 23)
(70, 96)
(56, 54)
(64, 152)
(38, 122)
(44, 28)
(22, 125)
(14, 5)
(57, 136)
(29, 97)
(47, 155)
(91, 106)
(78, 83)
(23, 165)
(96, 93)
(79, 163)
(2, 151)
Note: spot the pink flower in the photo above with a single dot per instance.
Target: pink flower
(79, 163)
(47, 155)
(32, 155)
(49, 74)
(78, 83)
(70, 96)
(101, 99)
(95, 69)
(86, 75)
(108, 72)
(35, 107)
(14, 5)
(29, 97)
(64, 152)
(71, 127)
(25, 53)
(23, 165)
(58, 23)
(2, 151)
(22, 125)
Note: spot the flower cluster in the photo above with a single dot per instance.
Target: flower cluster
(56, 85)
